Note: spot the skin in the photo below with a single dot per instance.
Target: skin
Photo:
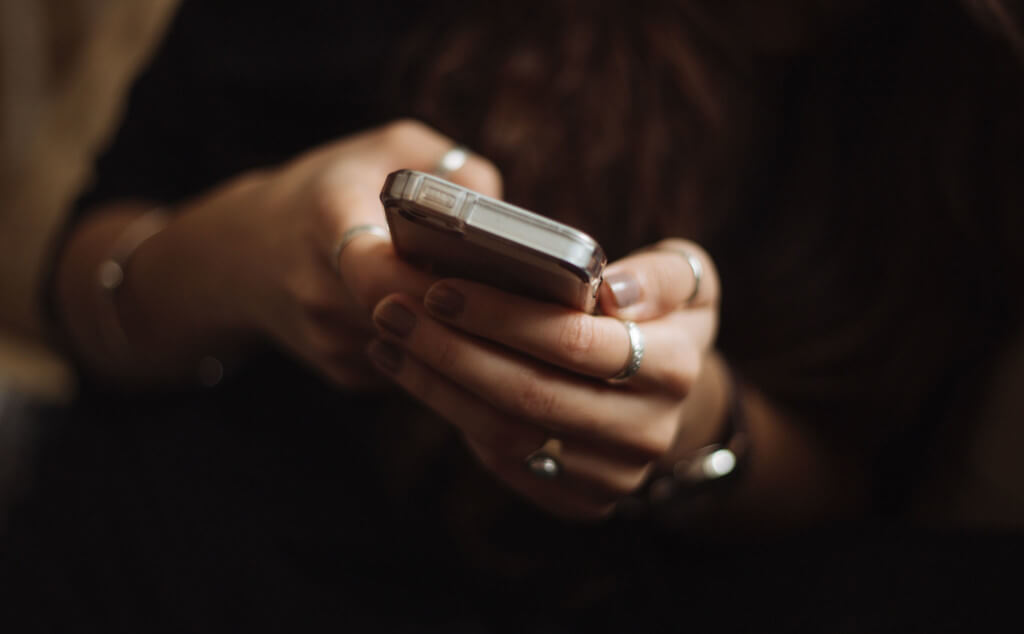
(509, 371)
(250, 261)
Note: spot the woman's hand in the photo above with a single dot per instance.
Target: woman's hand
(254, 256)
(511, 372)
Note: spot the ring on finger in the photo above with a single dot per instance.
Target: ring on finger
(451, 161)
(352, 234)
(546, 461)
(637, 345)
(696, 267)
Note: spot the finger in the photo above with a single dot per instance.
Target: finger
(350, 198)
(335, 354)
(589, 479)
(529, 390)
(410, 144)
(555, 497)
(370, 269)
(347, 176)
(573, 495)
(659, 280)
(474, 417)
(347, 190)
(586, 344)
(597, 473)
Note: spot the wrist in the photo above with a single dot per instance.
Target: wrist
(175, 297)
(124, 300)
(704, 412)
(711, 451)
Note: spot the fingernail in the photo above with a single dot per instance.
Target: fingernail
(386, 356)
(395, 318)
(624, 287)
(445, 301)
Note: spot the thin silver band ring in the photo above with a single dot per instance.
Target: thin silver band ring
(452, 161)
(696, 266)
(636, 352)
(352, 234)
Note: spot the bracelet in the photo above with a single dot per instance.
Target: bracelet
(111, 273)
(110, 276)
(669, 496)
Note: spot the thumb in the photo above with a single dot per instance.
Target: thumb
(658, 280)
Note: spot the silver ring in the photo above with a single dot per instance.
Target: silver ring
(352, 234)
(546, 462)
(452, 161)
(696, 266)
(636, 352)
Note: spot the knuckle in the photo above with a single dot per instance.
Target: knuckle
(401, 131)
(328, 196)
(366, 283)
(423, 385)
(325, 348)
(654, 442)
(364, 268)
(678, 383)
(577, 336)
(314, 340)
(532, 399)
(320, 342)
(631, 482)
(340, 369)
(364, 290)
(448, 354)
(318, 304)
(680, 377)
(333, 200)
(623, 482)
(665, 272)
(303, 292)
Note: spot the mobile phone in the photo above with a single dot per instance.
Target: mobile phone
(455, 232)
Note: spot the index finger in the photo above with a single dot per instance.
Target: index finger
(656, 281)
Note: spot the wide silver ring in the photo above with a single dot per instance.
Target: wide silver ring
(546, 461)
(636, 352)
(352, 234)
(452, 161)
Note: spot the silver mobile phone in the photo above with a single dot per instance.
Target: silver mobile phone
(455, 232)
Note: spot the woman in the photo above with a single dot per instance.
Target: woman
(799, 155)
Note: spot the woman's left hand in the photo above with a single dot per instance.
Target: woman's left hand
(511, 373)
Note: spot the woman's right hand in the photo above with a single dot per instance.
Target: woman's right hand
(253, 256)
